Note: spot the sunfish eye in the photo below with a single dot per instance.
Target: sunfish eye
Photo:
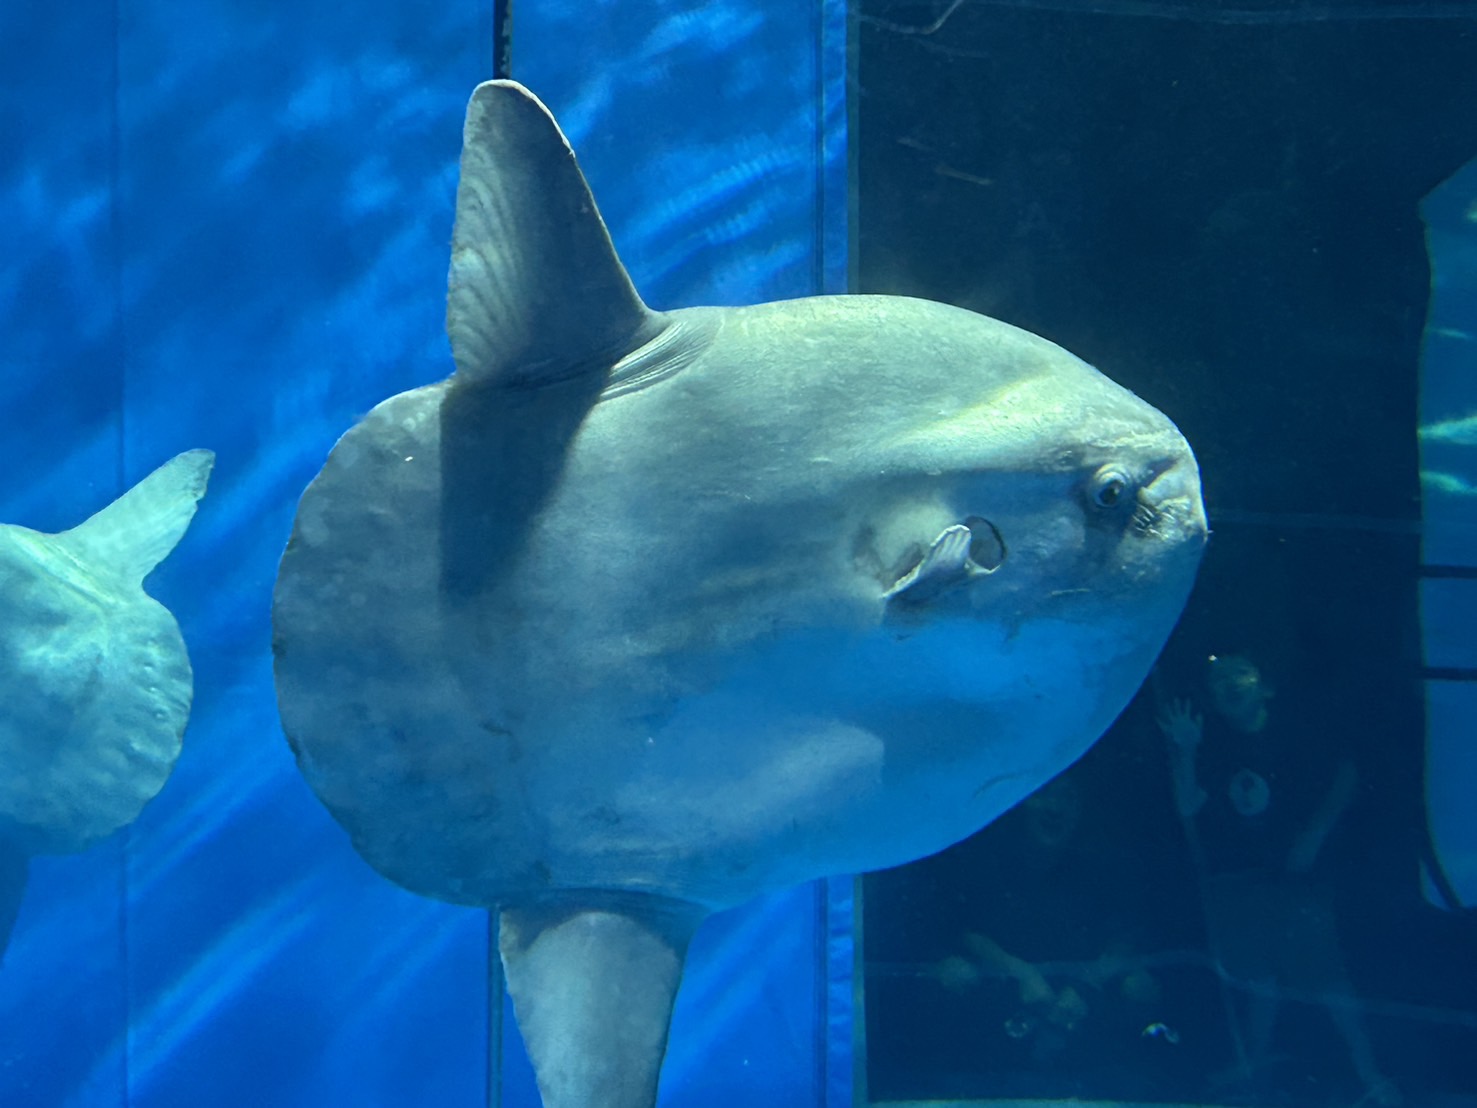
(1108, 486)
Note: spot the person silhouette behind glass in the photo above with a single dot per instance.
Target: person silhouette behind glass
(1258, 809)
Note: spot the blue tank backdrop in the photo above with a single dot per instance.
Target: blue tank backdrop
(713, 137)
(1449, 496)
(62, 1007)
(227, 227)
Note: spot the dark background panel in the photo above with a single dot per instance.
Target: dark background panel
(1222, 217)
(1220, 211)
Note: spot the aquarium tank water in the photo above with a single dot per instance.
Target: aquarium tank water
(798, 706)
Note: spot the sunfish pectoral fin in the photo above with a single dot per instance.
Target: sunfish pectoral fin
(536, 292)
(133, 534)
(593, 978)
(947, 565)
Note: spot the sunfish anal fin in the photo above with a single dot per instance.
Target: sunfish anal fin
(536, 292)
(593, 977)
(134, 533)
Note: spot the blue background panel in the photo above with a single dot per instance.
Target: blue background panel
(229, 230)
(1448, 620)
(287, 176)
(1451, 767)
(1449, 539)
(62, 988)
(1449, 374)
(227, 227)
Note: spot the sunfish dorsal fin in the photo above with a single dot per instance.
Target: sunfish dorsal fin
(133, 534)
(536, 292)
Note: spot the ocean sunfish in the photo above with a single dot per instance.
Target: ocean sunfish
(97, 680)
(640, 614)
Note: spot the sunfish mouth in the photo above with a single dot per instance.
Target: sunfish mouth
(1172, 503)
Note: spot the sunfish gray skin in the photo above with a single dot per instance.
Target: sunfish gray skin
(96, 677)
(641, 614)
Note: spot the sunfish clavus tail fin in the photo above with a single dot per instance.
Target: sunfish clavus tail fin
(593, 980)
(536, 292)
(133, 534)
